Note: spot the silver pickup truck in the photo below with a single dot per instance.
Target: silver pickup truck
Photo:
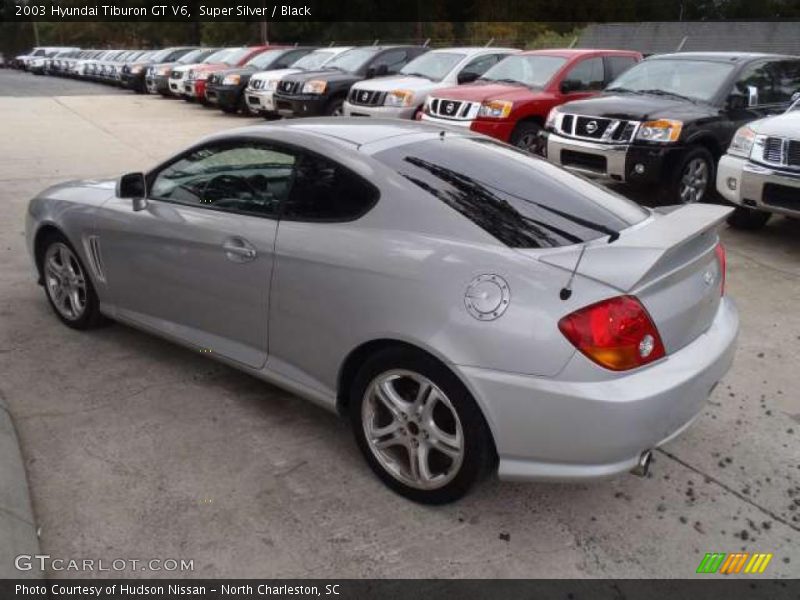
(760, 174)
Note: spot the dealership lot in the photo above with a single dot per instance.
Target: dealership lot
(137, 448)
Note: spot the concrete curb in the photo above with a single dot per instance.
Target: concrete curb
(17, 527)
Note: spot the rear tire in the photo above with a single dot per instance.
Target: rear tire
(748, 219)
(418, 427)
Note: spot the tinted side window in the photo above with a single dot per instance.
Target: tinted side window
(242, 177)
(290, 58)
(617, 65)
(393, 59)
(325, 191)
(589, 73)
(772, 82)
(523, 201)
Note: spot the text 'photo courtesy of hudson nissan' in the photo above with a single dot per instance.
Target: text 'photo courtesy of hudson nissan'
(475, 301)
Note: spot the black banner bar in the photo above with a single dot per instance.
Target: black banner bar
(348, 589)
(392, 11)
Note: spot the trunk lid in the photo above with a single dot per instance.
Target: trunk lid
(668, 262)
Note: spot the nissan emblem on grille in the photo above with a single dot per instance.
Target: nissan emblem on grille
(364, 96)
(591, 126)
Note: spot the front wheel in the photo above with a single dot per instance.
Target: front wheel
(418, 427)
(335, 108)
(68, 286)
(693, 178)
(528, 137)
(748, 219)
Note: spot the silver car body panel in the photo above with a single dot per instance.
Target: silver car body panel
(315, 292)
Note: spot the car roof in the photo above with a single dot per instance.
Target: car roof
(350, 131)
(474, 49)
(570, 52)
(734, 57)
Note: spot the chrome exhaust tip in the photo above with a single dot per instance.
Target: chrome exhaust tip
(642, 467)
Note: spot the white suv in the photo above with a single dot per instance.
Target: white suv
(760, 174)
(402, 95)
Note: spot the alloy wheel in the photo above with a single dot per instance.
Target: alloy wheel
(694, 181)
(65, 281)
(412, 429)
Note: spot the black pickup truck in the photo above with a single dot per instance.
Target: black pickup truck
(323, 92)
(667, 121)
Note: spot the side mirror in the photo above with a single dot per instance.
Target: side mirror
(467, 77)
(736, 101)
(570, 85)
(133, 186)
(370, 73)
(381, 70)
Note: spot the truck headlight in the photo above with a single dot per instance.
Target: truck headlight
(271, 84)
(399, 98)
(662, 130)
(495, 109)
(742, 142)
(231, 80)
(163, 71)
(202, 76)
(315, 86)
(136, 69)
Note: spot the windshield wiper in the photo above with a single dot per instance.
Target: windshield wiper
(428, 77)
(623, 90)
(666, 93)
(511, 81)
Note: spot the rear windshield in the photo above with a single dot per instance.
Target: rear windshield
(523, 201)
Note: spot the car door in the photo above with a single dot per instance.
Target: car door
(314, 249)
(196, 262)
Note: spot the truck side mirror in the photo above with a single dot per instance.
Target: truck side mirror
(736, 101)
(467, 77)
(570, 85)
(133, 186)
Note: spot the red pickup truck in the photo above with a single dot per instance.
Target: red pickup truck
(511, 100)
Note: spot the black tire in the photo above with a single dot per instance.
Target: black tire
(748, 219)
(693, 156)
(91, 317)
(527, 136)
(335, 107)
(478, 449)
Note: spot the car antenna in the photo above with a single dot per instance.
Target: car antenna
(566, 291)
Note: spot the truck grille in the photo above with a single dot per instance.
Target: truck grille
(367, 97)
(782, 152)
(289, 87)
(214, 79)
(256, 84)
(451, 109)
(177, 74)
(616, 131)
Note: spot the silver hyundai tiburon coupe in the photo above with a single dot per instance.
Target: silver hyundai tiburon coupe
(470, 307)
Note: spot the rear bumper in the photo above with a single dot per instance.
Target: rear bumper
(632, 163)
(386, 112)
(309, 105)
(748, 181)
(567, 429)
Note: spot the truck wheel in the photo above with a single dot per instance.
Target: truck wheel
(748, 219)
(527, 136)
(335, 108)
(692, 180)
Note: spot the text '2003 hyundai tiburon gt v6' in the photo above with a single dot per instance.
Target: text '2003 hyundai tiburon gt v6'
(469, 306)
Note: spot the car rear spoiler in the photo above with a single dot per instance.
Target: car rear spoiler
(646, 250)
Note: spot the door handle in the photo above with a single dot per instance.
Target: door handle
(239, 250)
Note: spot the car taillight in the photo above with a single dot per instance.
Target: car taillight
(617, 333)
(723, 266)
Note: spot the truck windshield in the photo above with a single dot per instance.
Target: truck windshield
(433, 65)
(690, 78)
(533, 70)
(523, 201)
(352, 60)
